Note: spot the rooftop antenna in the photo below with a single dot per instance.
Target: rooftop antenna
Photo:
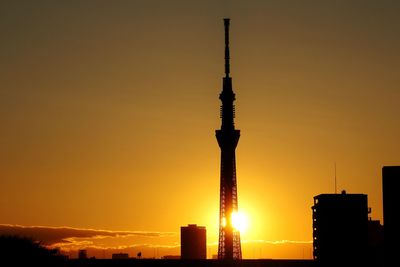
(335, 180)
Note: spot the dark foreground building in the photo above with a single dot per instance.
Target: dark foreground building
(391, 210)
(340, 229)
(193, 242)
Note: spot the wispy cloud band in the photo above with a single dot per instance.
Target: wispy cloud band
(52, 235)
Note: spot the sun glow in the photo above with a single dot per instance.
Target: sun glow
(240, 221)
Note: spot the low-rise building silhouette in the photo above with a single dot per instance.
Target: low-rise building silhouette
(340, 229)
(391, 210)
(193, 242)
(171, 257)
(120, 256)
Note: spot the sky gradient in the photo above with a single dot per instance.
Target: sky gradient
(108, 111)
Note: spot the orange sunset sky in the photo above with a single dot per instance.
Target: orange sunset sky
(108, 111)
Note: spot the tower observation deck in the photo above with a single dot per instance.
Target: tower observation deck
(229, 247)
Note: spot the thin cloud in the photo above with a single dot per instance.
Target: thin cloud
(76, 243)
(142, 246)
(64, 235)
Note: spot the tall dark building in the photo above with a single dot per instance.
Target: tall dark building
(193, 242)
(375, 243)
(340, 229)
(229, 238)
(391, 210)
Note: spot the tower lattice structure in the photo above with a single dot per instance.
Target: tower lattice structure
(229, 247)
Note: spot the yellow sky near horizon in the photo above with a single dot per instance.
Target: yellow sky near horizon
(108, 111)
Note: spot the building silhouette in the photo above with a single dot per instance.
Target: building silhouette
(229, 238)
(120, 256)
(340, 229)
(193, 242)
(375, 243)
(82, 254)
(391, 209)
(171, 257)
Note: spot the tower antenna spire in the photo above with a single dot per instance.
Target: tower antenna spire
(229, 247)
(227, 56)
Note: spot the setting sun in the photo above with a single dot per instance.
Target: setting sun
(240, 221)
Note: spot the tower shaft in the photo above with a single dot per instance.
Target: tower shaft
(229, 247)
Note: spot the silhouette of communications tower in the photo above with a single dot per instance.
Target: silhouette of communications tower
(229, 238)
